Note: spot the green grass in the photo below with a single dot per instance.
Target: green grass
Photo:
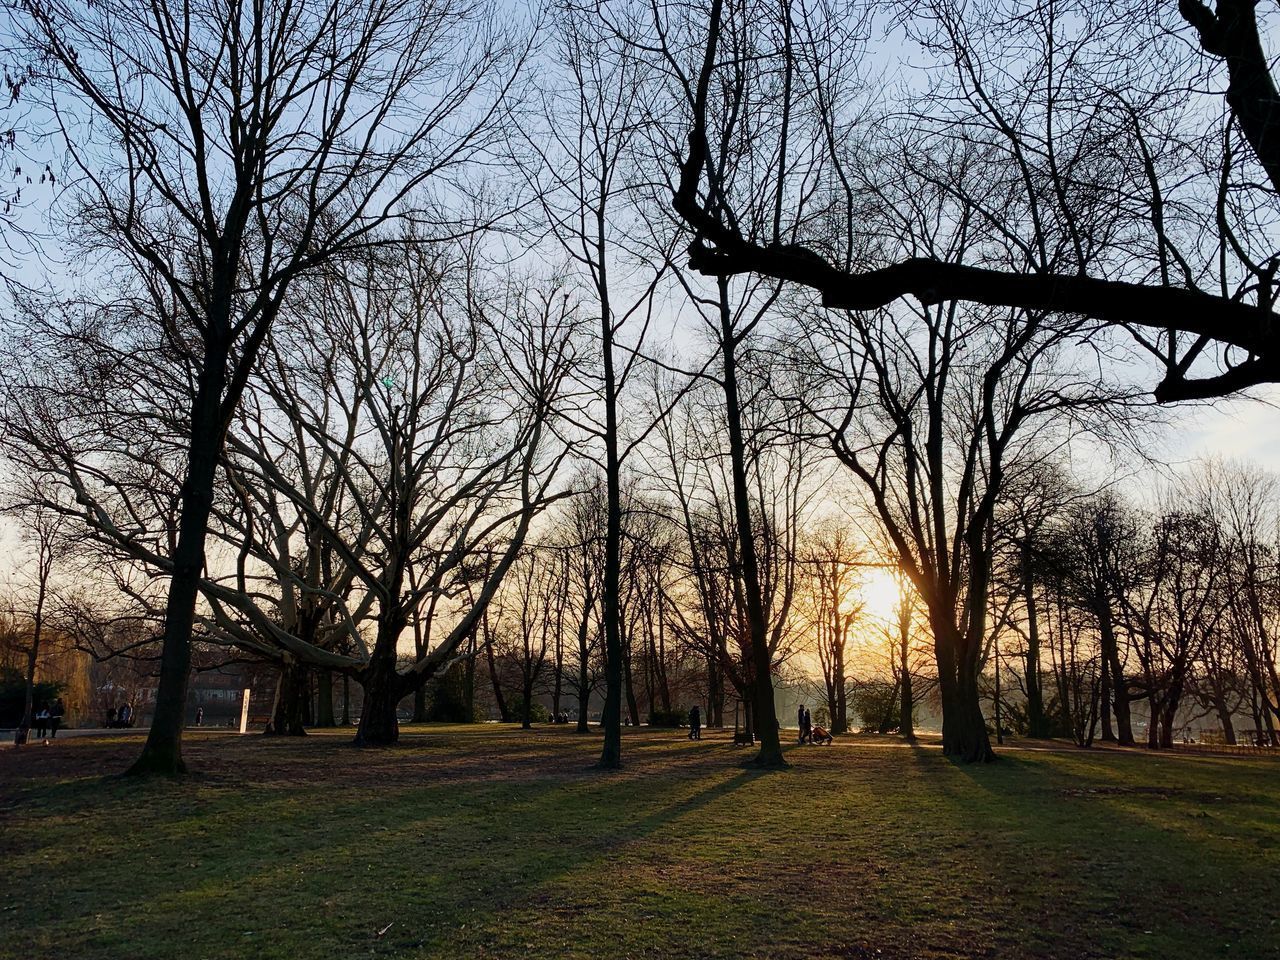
(487, 842)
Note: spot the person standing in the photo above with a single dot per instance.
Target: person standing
(55, 717)
(806, 728)
(695, 722)
(199, 716)
(42, 721)
(800, 715)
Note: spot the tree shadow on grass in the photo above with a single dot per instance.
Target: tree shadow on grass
(202, 860)
(1069, 834)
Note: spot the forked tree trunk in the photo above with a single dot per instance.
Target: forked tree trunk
(840, 717)
(1118, 694)
(291, 693)
(765, 714)
(964, 730)
(504, 713)
(1224, 717)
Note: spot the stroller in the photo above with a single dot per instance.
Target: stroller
(820, 736)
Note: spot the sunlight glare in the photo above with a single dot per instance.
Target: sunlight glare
(880, 593)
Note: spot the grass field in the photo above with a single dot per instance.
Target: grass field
(489, 842)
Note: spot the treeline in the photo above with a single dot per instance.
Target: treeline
(1169, 606)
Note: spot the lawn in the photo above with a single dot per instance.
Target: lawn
(492, 842)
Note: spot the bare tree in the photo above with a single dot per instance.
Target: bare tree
(44, 530)
(593, 126)
(434, 409)
(1171, 609)
(831, 565)
(220, 154)
(1114, 203)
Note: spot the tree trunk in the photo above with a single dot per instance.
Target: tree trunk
(420, 705)
(611, 718)
(504, 714)
(557, 683)
(1224, 717)
(1168, 719)
(765, 715)
(291, 694)
(29, 694)
(664, 684)
(715, 693)
(346, 700)
(1037, 722)
(840, 718)
(584, 653)
(162, 753)
(469, 682)
(1104, 684)
(1119, 693)
(906, 708)
(379, 725)
(526, 720)
(633, 708)
(324, 699)
(584, 701)
(964, 730)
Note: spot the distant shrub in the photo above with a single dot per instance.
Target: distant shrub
(668, 718)
(877, 707)
(537, 712)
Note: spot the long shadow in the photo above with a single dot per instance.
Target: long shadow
(299, 832)
(1088, 815)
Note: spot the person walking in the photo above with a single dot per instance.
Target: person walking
(806, 728)
(55, 717)
(695, 722)
(42, 721)
(800, 723)
(199, 716)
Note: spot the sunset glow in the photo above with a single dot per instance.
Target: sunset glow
(880, 593)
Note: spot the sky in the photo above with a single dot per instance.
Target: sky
(1246, 429)
(1235, 429)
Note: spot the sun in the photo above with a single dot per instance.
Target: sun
(881, 594)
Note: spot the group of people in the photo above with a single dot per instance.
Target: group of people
(809, 732)
(122, 717)
(49, 718)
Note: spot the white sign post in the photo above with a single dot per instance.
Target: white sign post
(244, 712)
